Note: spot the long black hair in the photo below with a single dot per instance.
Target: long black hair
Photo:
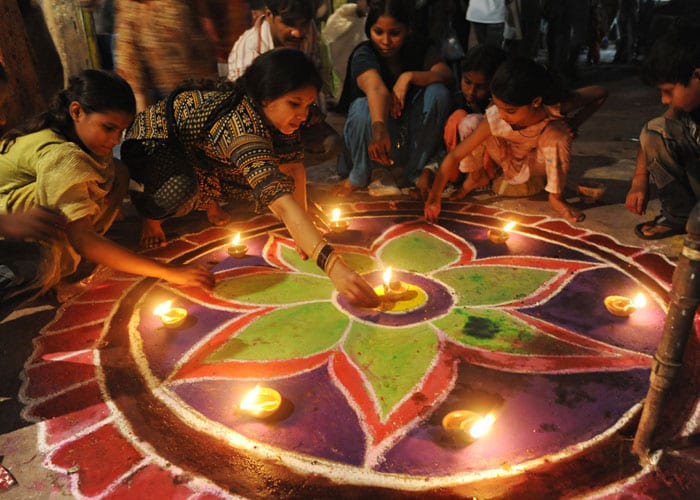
(271, 75)
(96, 91)
(411, 58)
(519, 80)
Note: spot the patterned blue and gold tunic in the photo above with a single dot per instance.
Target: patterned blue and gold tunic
(191, 149)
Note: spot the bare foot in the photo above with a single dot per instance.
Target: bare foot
(565, 210)
(474, 180)
(343, 188)
(216, 215)
(152, 235)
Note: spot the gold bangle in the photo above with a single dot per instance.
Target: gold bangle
(335, 257)
(317, 249)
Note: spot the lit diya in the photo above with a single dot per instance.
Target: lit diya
(393, 289)
(261, 402)
(501, 235)
(237, 249)
(624, 306)
(172, 317)
(337, 224)
(467, 424)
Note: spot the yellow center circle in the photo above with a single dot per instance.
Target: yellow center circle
(409, 298)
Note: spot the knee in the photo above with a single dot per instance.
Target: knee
(359, 110)
(651, 138)
(437, 96)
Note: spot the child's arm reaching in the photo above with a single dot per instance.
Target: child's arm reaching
(582, 103)
(450, 167)
(101, 250)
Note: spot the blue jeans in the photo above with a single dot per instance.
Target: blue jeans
(672, 151)
(415, 136)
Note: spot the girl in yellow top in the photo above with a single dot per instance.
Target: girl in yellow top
(62, 160)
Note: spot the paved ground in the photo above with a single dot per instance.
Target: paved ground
(604, 151)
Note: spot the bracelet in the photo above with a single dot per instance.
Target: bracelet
(335, 257)
(323, 255)
(317, 249)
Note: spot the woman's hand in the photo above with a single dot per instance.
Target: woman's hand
(190, 275)
(431, 211)
(37, 223)
(400, 90)
(352, 286)
(379, 148)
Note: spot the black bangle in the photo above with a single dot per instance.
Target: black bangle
(323, 255)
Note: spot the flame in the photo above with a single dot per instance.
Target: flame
(508, 227)
(251, 401)
(639, 301)
(482, 426)
(236, 239)
(164, 308)
(387, 276)
(335, 217)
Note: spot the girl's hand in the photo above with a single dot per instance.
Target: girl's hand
(431, 211)
(352, 286)
(191, 275)
(379, 148)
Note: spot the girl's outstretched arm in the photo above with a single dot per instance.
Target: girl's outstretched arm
(581, 103)
(449, 168)
(101, 250)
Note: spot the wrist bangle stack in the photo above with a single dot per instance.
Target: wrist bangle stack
(335, 257)
(323, 255)
(317, 249)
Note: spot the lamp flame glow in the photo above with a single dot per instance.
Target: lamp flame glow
(261, 401)
(172, 317)
(481, 426)
(335, 215)
(639, 301)
(236, 239)
(509, 227)
(387, 276)
(163, 309)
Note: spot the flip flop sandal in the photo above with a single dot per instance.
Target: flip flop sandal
(673, 229)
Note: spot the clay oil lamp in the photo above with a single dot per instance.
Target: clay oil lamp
(237, 249)
(171, 317)
(501, 235)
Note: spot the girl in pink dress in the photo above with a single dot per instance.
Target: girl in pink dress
(525, 133)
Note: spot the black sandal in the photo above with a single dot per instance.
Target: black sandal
(659, 221)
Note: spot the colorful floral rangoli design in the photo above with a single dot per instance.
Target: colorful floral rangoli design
(518, 330)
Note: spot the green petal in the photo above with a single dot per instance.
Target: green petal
(497, 330)
(276, 287)
(287, 330)
(407, 251)
(359, 262)
(393, 360)
(489, 285)
(293, 259)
